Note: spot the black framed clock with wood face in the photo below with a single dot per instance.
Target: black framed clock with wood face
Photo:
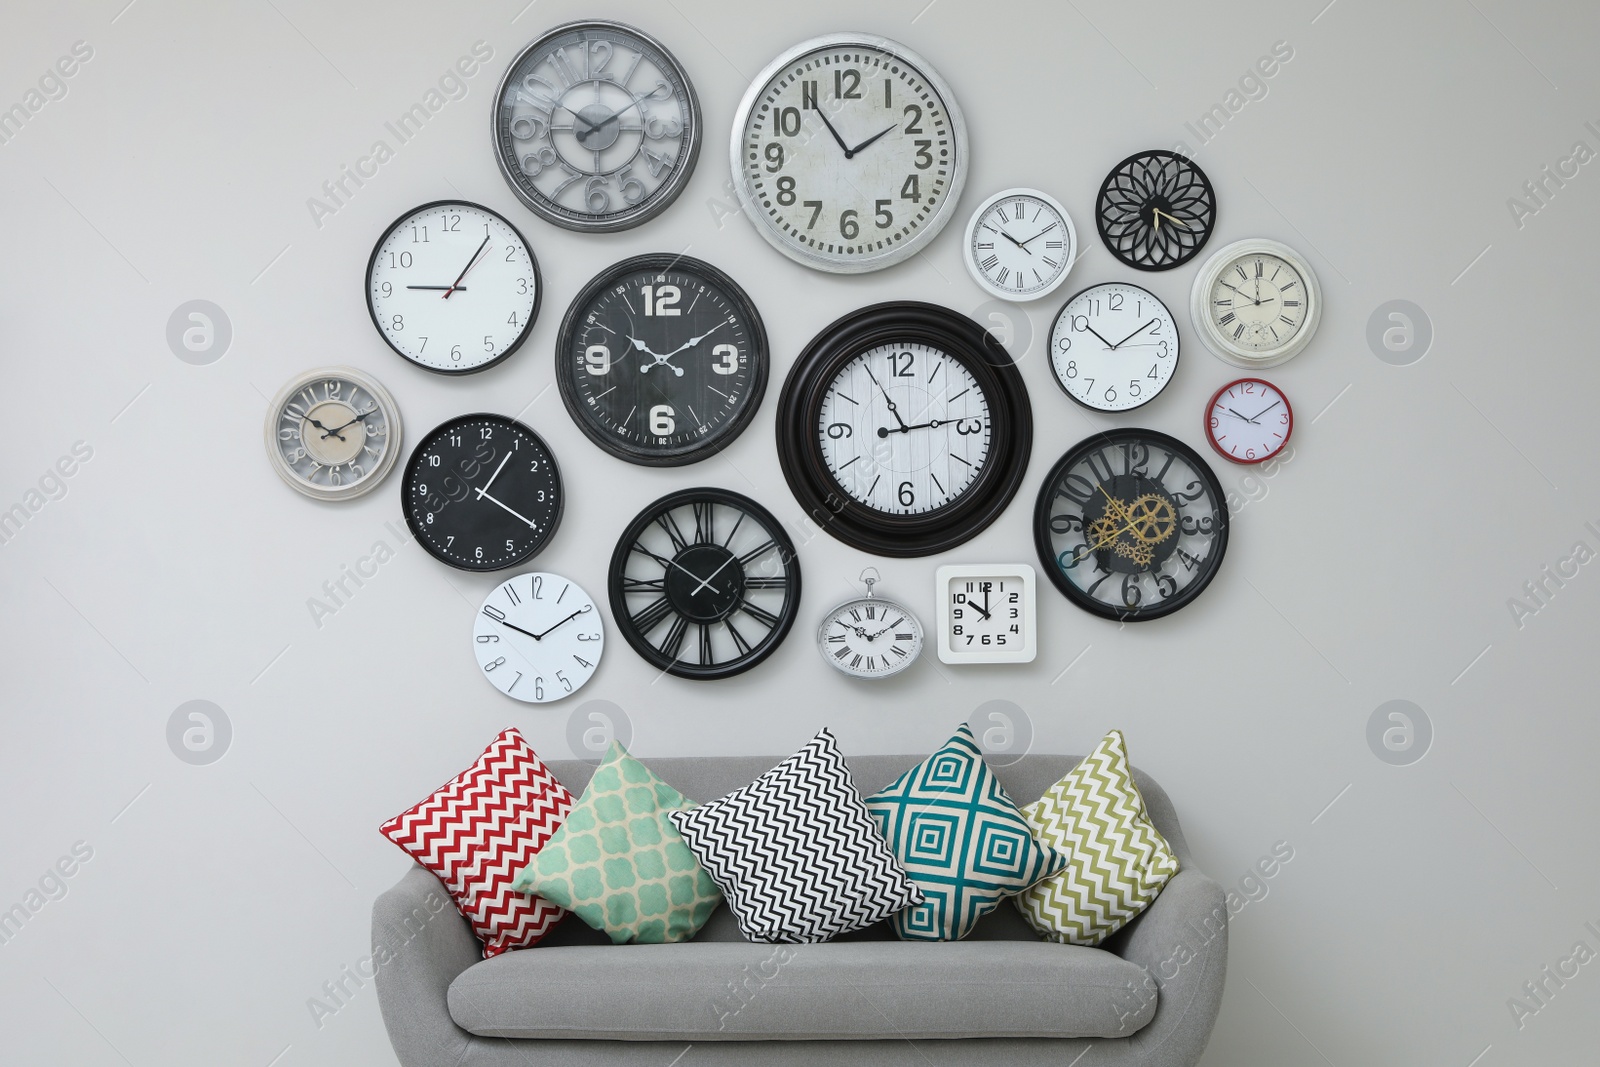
(904, 429)
(704, 583)
(662, 360)
(1131, 524)
(1156, 210)
(482, 493)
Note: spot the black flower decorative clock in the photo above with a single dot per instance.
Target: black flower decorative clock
(704, 583)
(904, 429)
(1156, 210)
(1131, 525)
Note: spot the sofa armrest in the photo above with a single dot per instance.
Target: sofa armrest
(1181, 943)
(420, 943)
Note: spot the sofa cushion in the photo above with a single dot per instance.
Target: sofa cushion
(960, 838)
(796, 853)
(1117, 860)
(619, 864)
(902, 990)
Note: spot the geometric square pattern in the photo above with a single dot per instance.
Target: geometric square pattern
(1118, 862)
(960, 838)
(619, 864)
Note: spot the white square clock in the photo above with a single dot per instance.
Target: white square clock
(986, 613)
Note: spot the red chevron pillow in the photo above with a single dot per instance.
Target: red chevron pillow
(479, 829)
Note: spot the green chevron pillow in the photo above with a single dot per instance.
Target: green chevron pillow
(1117, 861)
(619, 864)
(960, 838)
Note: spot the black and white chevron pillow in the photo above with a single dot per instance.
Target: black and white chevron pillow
(796, 853)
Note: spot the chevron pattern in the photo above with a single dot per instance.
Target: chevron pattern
(964, 843)
(1118, 861)
(795, 852)
(482, 827)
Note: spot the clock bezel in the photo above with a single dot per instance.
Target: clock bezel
(825, 500)
(1177, 347)
(1211, 434)
(566, 372)
(876, 601)
(955, 656)
(391, 418)
(750, 204)
(969, 256)
(1221, 345)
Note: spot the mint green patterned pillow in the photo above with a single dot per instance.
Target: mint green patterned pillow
(619, 864)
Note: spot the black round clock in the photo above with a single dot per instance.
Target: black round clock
(482, 493)
(1131, 524)
(1156, 210)
(662, 360)
(904, 429)
(704, 583)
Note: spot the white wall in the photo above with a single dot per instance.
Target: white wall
(1377, 566)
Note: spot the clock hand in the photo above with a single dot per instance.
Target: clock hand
(660, 360)
(1252, 299)
(1157, 213)
(352, 422)
(666, 563)
(892, 409)
(1103, 341)
(470, 264)
(319, 426)
(595, 126)
(693, 341)
(1038, 235)
(1020, 244)
(852, 152)
(837, 139)
(705, 583)
(1266, 409)
(439, 288)
(485, 496)
(520, 630)
(540, 636)
(984, 611)
(485, 490)
(1130, 337)
(1236, 415)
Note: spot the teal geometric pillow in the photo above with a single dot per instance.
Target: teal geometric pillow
(619, 864)
(960, 838)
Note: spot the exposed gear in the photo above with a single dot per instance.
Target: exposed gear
(1103, 532)
(1152, 518)
(1141, 554)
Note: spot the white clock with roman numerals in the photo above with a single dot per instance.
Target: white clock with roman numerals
(1256, 303)
(1020, 244)
(538, 637)
(870, 636)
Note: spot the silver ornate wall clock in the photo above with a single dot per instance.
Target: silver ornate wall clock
(333, 433)
(870, 636)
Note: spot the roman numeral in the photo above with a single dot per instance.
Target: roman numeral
(989, 263)
(652, 615)
(760, 614)
(674, 639)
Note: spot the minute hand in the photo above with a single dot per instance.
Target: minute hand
(850, 153)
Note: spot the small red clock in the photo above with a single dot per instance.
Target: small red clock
(1249, 421)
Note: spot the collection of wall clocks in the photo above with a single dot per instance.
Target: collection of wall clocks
(903, 429)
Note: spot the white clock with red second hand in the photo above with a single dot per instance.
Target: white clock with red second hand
(1249, 421)
(453, 287)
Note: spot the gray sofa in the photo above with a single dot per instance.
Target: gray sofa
(1002, 997)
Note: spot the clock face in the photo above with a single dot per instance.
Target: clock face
(1020, 245)
(1114, 347)
(662, 360)
(538, 637)
(1249, 421)
(870, 637)
(1156, 210)
(904, 429)
(986, 614)
(453, 287)
(1256, 303)
(1131, 524)
(482, 493)
(333, 433)
(596, 126)
(849, 153)
(704, 583)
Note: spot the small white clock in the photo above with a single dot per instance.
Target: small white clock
(870, 636)
(453, 287)
(1256, 303)
(333, 433)
(1249, 421)
(1114, 347)
(1020, 244)
(986, 613)
(538, 637)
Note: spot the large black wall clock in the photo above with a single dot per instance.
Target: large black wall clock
(482, 493)
(1131, 524)
(1156, 210)
(662, 360)
(904, 429)
(704, 583)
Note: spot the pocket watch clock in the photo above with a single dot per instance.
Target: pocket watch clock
(904, 429)
(596, 126)
(870, 636)
(986, 612)
(482, 493)
(453, 287)
(1020, 244)
(1156, 210)
(538, 637)
(333, 433)
(1114, 347)
(1255, 303)
(849, 153)
(704, 583)
(1131, 525)
(1249, 421)
(662, 360)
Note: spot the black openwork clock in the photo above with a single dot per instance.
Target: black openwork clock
(904, 429)
(1131, 524)
(704, 583)
(1156, 210)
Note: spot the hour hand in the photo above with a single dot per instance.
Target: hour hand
(837, 139)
